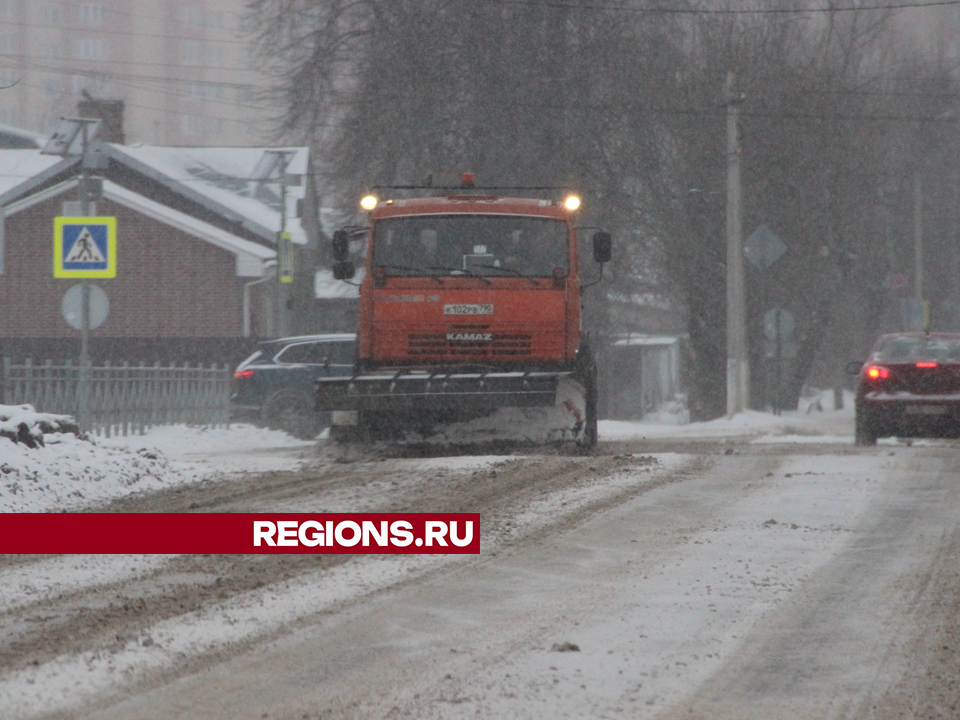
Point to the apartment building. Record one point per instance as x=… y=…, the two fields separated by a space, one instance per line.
x=182 y=68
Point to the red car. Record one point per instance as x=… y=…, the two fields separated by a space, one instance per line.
x=909 y=387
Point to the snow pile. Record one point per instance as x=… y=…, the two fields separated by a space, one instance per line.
x=814 y=422
x=241 y=448
x=72 y=472
x=23 y=424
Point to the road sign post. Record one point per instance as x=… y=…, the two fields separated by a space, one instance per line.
x=285 y=246
x=778 y=326
x=763 y=248
x=82 y=250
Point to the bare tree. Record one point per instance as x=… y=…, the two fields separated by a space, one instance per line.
x=626 y=103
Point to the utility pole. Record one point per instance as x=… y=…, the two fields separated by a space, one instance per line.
x=83 y=186
x=83 y=385
x=738 y=370
x=917 y=236
x=284 y=253
x=63 y=143
x=278 y=161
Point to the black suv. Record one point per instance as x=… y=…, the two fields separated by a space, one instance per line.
x=274 y=387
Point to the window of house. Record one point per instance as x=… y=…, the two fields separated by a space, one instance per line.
x=91 y=14
x=90 y=49
x=193 y=15
x=8 y=43
x=191 y=53
x=51 y=86
x=191 y=125
x=51 y=15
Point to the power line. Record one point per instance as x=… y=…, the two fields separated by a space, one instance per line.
x=179 y=66
x=167 y=19
x=613 y=107
x=165 y=110
x=721 y=11
x=100 y=31
x=132 y=81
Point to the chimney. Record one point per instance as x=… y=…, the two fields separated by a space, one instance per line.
x=109 y=111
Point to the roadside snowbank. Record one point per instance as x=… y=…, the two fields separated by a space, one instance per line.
x=23 y=424
x=814 y=423
x=72 y=472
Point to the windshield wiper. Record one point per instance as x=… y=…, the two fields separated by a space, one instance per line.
x=460 y=271
x=515 y=273
x=407 y=268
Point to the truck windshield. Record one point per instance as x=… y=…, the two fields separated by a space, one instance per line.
x=487 y=245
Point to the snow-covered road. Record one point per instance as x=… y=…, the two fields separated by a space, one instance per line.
x=762 y=567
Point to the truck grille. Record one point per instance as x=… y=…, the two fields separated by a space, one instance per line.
x=469 y=344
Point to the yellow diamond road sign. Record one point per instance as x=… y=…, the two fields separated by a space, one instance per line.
x=85 y=247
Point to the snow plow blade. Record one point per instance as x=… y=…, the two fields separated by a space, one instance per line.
x=439 y=391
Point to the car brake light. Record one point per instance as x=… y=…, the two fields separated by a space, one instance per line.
x=875 y=372
x=926 y=364
x=243 y=374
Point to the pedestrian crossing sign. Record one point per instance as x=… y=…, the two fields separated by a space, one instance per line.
x=85 y=247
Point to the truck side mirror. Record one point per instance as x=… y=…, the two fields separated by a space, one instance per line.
x=602 y=247
x=343 y=270
x=341 y=246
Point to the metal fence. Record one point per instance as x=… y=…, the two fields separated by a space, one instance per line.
x=122 y=399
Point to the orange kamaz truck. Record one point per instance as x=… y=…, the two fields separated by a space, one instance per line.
x=470 y=302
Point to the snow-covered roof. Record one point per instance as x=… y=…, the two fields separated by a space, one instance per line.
x=18 y=166
x=14 y=137
x=225 y=177
x=250 y=256
x=326 y=288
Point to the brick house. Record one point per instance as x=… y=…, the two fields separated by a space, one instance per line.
x=196 y=253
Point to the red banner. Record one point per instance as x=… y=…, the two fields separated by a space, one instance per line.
x=240 y=533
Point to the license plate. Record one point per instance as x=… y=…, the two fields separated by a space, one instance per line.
x=926 y=410
x=468 y=309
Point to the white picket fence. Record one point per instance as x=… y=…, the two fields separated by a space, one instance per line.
x=123 y=399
